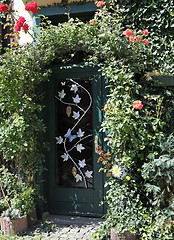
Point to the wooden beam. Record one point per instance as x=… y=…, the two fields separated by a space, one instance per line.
x=44 y=3
x=165 y=81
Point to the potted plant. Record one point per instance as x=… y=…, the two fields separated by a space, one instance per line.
x=17 y=201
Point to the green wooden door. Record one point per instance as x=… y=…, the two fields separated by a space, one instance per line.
x=74 y=120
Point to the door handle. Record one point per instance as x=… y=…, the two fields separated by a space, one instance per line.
x=96 y=143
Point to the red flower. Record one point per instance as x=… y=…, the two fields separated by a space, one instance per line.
x=17 y=28
x=91 y=22
x=32 y=7
x=138 y=38
x=3 y=8
x=145 y=32
x=25 y=27
x=128 y=32
x=20 y=21
x=138 y=104
x=100 y=3
x=132 y=39
x=146 y=42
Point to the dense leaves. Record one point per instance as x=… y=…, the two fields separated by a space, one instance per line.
x=132 y=49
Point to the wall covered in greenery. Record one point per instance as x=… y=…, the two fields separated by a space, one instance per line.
x=134 y=42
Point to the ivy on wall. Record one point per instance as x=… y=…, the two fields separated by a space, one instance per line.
x=135 y=115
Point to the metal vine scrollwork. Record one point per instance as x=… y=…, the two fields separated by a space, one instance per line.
x=75 y=135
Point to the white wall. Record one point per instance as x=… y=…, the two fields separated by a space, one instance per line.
x=19 y=6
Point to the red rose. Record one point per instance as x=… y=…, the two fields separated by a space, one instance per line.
x=138 y=104
x=32 y=7
x=138 y=38
x=128 y=32
x=100 y=3
x=145 y=32
x=91 y=22
x=20 y=21
x=3 y=8
x=17 y=28
x=25 y=27
x=146 y=42
x=132 y=39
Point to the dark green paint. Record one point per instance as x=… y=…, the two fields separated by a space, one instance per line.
x=165 y=81
x=76 y=201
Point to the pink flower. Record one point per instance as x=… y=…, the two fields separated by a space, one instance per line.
x=91 y=22
x=146 y=42
x=145 y=32
x=122 y=9
x=100 y=3
x=138 y=104
x=128 y=32
x=32 y=7
x=25 y=27
x=138 y=38
x=132 y=39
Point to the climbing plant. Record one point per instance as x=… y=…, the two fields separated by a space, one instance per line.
x=137 y=115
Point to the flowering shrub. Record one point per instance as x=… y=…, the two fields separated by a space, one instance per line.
x=20 y=23
x=136 y=129
x=21 y=157
x=132 y=36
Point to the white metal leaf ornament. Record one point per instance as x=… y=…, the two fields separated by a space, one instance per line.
x=59 y=140
x=76 y=115
x=76 y=99
x=79 y=147
x=82 y=163
x=61 y=94
x=74 y=88
x=80 y=133
x=88 y=174
x=65 y=157
x=78 y=178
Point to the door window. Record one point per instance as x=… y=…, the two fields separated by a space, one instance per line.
x=74 y=133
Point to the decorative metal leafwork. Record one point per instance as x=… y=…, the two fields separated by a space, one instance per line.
x=74 y=139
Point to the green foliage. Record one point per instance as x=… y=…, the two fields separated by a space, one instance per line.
x=17 y=197
x=136 y=137
x=20 y=124
x=158 y=174
x=157 y=16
